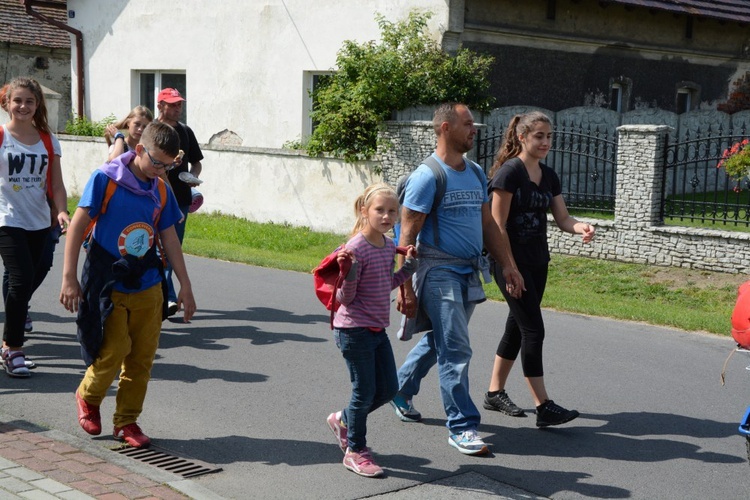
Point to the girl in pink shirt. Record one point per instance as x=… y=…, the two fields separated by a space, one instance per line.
x=360 y=322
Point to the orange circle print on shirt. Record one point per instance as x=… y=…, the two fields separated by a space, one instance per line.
x=136 y=239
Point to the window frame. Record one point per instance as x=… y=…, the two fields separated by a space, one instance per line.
x=147 y=97
x=310 y=78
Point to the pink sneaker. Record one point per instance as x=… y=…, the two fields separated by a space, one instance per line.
x=361 y=463
x=132 y=435
x=338 y=429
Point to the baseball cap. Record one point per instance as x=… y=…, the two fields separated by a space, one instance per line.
x=169 y=96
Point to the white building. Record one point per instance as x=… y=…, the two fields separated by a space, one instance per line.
x=243 y=65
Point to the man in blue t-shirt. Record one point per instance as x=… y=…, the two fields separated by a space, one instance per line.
x=447 y=286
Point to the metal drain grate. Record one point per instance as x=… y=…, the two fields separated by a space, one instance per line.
x=186 y=468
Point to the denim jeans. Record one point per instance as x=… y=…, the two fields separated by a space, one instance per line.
x=372 y=370
x=180 y=229
x=444 y=299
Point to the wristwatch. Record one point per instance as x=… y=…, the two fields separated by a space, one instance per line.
x=118 y=135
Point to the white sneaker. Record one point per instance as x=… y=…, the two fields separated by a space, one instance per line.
x=468 y=442
x=171 y=308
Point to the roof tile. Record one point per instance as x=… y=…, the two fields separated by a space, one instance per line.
x=727 y=10
x=18 y=27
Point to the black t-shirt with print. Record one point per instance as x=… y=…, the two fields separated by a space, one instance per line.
x=193 y=154
x=527 y=220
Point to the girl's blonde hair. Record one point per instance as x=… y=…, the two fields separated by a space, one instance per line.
x=40 y=116
x=365 y=200
x=141 y=111
x=511 y=145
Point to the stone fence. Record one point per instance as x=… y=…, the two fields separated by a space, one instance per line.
x=637 y=234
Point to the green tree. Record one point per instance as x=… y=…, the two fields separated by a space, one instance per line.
x=406 y=68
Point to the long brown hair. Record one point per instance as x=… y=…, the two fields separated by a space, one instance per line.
x=511 y=145
x=139 y=110
x=40 y=116
x=365 y=199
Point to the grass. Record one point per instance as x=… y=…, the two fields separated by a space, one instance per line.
x=661 y=296
x=685 y=299
x=671 y=297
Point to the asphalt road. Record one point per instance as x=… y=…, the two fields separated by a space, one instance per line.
x=248 y=384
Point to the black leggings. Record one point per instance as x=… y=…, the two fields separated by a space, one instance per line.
x=524 y=328
x=21 y=251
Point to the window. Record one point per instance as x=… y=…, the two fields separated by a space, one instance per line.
x=615 y=97
x=311 y=81
x=688 y=97
x=150 y=83
x=620 y=89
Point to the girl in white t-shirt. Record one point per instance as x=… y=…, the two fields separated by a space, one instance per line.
x=24 y=211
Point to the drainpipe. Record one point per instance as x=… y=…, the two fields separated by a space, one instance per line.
x=28 y=4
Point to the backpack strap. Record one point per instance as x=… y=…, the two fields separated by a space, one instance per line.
x=89 y=232
x=47 y=140
x=162 y=186
x=441 y=182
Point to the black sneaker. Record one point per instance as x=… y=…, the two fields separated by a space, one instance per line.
x=548 y=413
x=502 y=403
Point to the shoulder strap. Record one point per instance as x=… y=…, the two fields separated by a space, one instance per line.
x=47 y=140
x=163 y=197
x=111 y=187
x=440 y=186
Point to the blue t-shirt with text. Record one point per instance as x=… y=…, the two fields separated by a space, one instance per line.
x=459 y=214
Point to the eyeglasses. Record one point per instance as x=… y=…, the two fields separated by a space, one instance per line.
x=160 y=164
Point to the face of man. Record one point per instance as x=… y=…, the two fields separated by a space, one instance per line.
x=461 y=131
x=170 y=113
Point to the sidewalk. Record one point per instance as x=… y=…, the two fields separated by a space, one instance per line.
x=36 y=463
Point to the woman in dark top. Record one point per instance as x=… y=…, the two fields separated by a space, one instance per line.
x=523 y=189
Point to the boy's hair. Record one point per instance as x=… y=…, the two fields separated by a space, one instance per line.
x=161 y=136
x=40 y=116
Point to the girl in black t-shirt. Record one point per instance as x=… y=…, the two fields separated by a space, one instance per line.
x=523 y=189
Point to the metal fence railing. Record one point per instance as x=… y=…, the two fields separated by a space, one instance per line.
x=694 y=189
x=585 y=158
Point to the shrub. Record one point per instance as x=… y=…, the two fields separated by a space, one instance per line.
x=406 y=68
x=80 y=125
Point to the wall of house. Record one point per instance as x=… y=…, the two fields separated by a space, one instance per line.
x=260 y=185
x=590 y=42
x=21 y=60
x=244 y=60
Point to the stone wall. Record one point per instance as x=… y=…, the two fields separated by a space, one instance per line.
x=637 y=234
x=402 y=146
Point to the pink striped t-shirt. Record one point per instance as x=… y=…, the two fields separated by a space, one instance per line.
x=366 y=300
